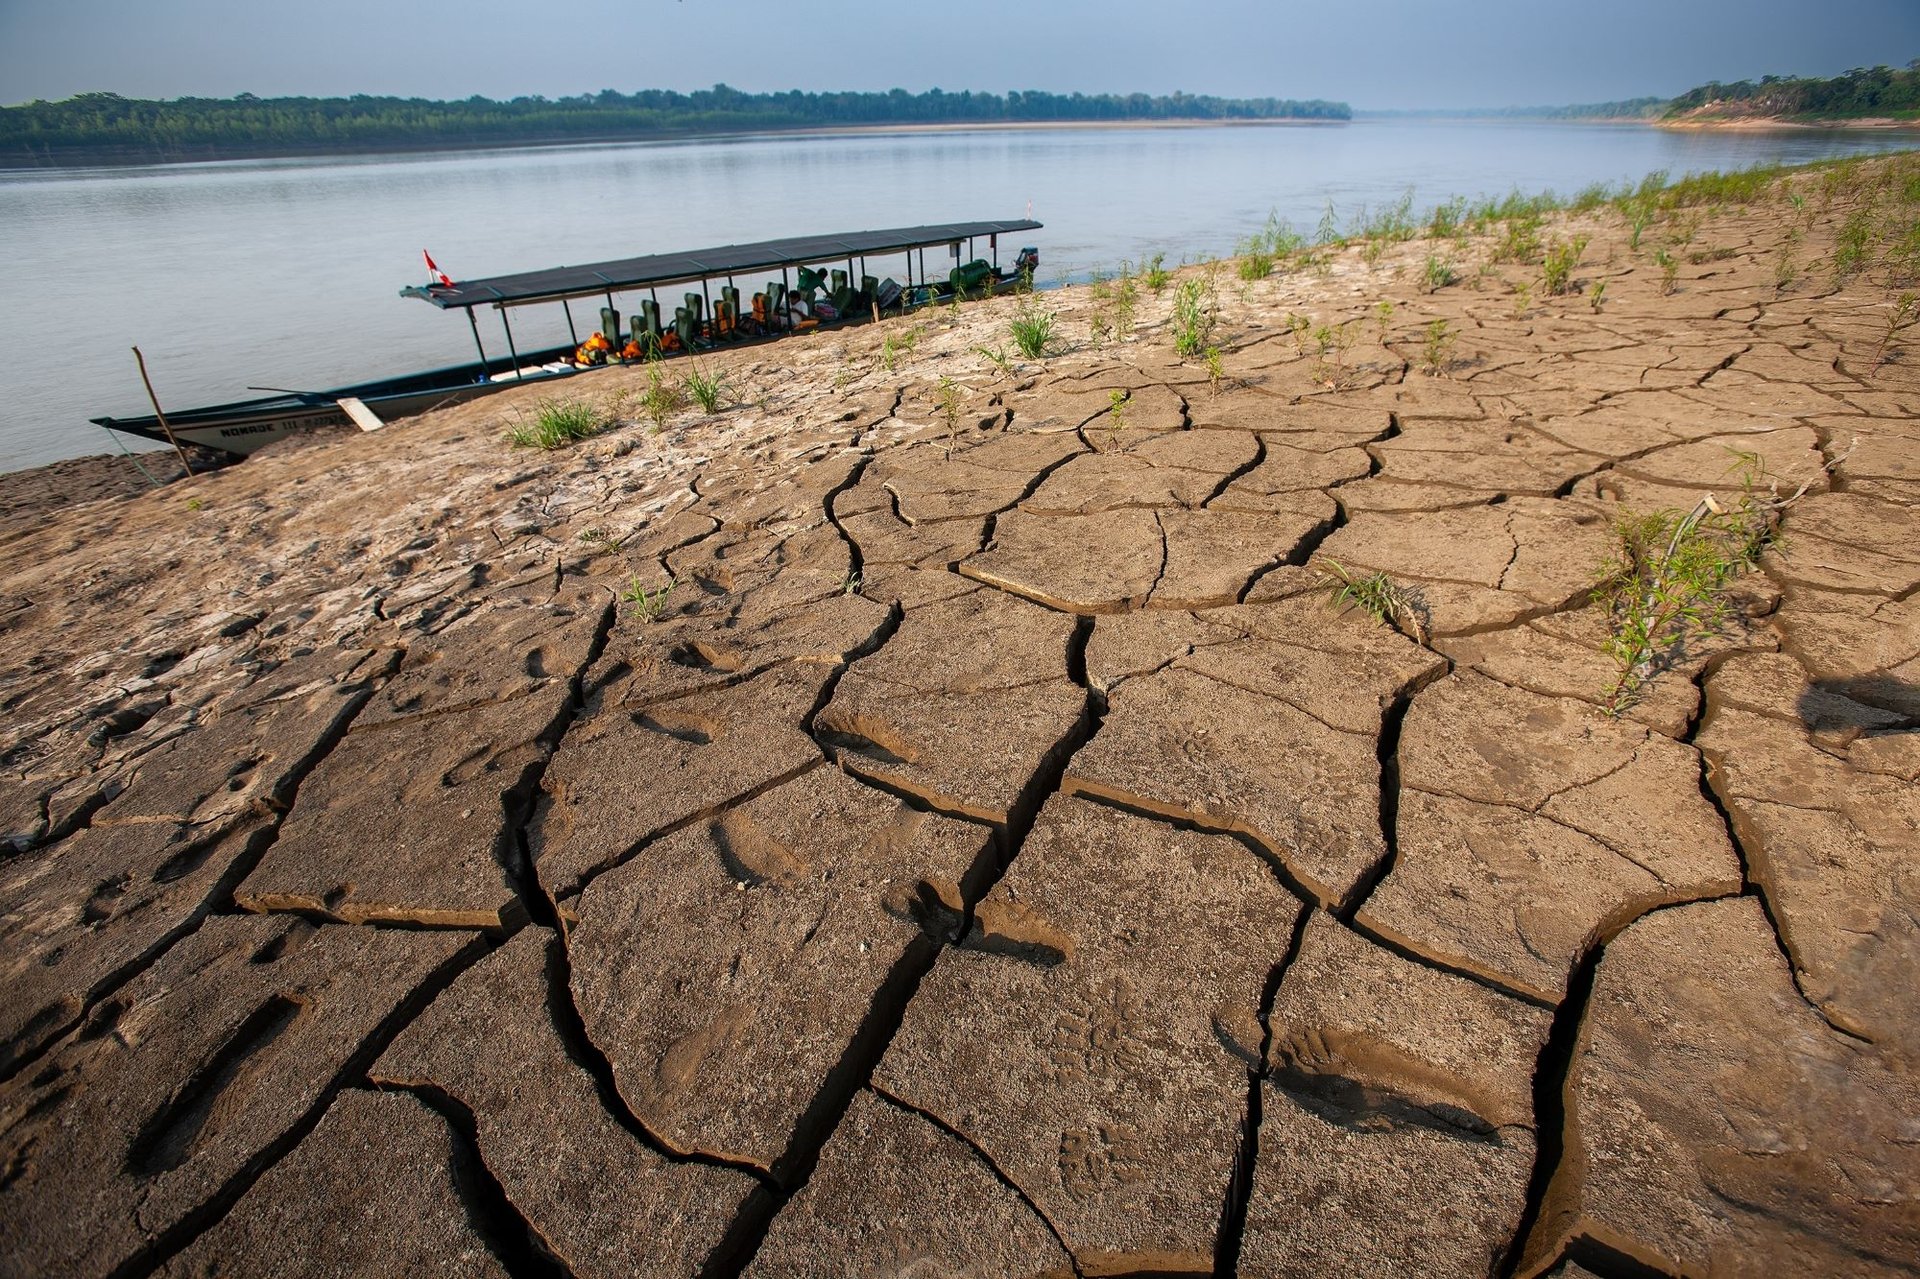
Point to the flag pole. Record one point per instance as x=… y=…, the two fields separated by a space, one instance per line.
x=162 y=417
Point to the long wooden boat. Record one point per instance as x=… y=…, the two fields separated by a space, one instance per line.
x=245 y=426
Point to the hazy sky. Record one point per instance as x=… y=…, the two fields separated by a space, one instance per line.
x=1378 y=54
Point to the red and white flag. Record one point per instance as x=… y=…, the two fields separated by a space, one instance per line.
x=435 y=271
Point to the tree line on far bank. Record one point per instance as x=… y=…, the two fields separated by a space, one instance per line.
x=1863 y=91
x=95 y=125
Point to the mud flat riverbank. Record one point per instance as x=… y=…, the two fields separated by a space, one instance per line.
x=930 y=816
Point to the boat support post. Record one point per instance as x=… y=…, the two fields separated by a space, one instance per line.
x=570 y=330
x=511 y=349
x=475 y=326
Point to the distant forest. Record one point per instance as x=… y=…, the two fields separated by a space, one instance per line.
x=1629 y=109
x=1864 y=91
x=105 y=126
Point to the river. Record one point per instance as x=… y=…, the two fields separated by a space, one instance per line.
x=285 y=273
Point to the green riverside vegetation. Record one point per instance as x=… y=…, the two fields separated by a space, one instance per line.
x=1863 y=91
x=94 y=126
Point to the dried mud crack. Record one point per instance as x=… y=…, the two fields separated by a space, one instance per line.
x=835 y=835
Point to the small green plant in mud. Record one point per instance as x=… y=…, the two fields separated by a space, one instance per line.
x=1851 y=246
x=1378 y=595
x=1596 y=295
x=1522 y=299
x=1556 y=272
x=1195 y=314
x=1033 y=328
x=1519 y=240
x=1786 y=265
x=895 y=345
x=1666 y=582
x=1669 y=270
x=1382 y=320
x=556 y=424
x=601 y=539
x=946 y=401
x=850 y=584
x=705 y=388
x=195 y=504
x=1215 y=369
x=662 y=399
x=1901 y=315
x=1665 y=585
x=648 y=606
x=997 y=356
x=1436 y=351
x=1116 y=410
x=1437 y=274
x=1447 y=220
x=1114 y=302
x=1155 y=276
x=1331 y=342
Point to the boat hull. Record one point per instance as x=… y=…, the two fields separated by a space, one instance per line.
x=247 y=426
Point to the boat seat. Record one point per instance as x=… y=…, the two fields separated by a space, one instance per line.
x=649 y=318
x=610 y=325
x=685 y=328
x=648 y=340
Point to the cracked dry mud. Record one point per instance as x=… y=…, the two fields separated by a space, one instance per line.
x=995 y=855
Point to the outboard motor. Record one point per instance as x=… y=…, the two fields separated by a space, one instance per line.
x=1028 y=263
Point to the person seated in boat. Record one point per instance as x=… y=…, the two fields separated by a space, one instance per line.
x=631 y=352
x=593 y=351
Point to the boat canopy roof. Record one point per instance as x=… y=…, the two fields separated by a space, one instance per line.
x=700 y=264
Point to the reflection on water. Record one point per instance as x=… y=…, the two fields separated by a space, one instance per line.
x=285 y=273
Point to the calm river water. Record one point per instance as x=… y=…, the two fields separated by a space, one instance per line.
x=284 y=273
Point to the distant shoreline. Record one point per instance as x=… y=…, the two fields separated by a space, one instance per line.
x=1761 y=123
x=132 y=157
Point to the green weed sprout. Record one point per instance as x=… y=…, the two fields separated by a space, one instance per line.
x=648 y=606
x=1033 y=328
x=556 y=424
x=1194 y=316
x=705 y=388
x=1378 y=595
x=1436 y=352
x=1557 y=271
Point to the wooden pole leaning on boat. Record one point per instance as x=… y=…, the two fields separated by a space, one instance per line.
x=161 y=417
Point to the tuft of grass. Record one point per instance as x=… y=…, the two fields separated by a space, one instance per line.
x=1557 y=269
x=1382 y=598
x=1215 y=369
x=997 y=356
x=648 y=606
x=705 y=388
x=1522 y=299
x=556 y=424
x=1437 y=274
x=1382 y=319
x=1155 y=276
x=1117 y=410
x=1597 y=295
x=662 y=399
x=1195 y=315
x=895 y=345
x=1436 y=352
x=1033 y=328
